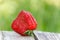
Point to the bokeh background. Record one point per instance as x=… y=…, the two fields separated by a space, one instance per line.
x=46 y=12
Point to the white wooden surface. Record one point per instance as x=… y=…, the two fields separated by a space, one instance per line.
x=8 y=35
x=11 y=35
x=0 y=35
x=47 y=35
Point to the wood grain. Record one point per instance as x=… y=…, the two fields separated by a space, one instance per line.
x=11 y=35
x=47 y=35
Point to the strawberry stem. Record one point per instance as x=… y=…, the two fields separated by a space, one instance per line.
x=29 y=32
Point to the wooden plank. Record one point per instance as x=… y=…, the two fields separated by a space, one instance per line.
x=8 y=35
x=11 y=35
x=47 y=35
x=1 y=37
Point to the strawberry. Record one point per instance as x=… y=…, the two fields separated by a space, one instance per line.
x=24 y=23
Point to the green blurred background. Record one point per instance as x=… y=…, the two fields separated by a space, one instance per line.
x=46 y=12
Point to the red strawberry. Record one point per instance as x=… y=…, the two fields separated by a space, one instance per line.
x=24 y=22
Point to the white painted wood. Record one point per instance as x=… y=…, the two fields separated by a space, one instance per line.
x=47 y=35
x=11 y=35
x=14 y=36
x=1 y=36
